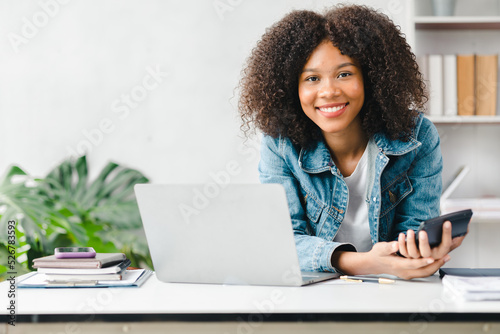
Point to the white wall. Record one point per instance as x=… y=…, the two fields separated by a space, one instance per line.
x=76 y=76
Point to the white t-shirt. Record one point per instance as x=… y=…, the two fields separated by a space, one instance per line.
x=355 y=228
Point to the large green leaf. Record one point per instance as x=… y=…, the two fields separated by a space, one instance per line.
x=108 y=201
x=67 y=209
x=36 y=220
x=23 y=202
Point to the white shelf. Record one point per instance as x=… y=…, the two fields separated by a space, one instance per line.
x=486 y=210
x=457 y=22
x=465 y=119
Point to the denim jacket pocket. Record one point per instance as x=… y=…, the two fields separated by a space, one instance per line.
x=313 y=209
x=393 y=194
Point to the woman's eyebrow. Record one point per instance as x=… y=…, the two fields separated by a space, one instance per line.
x=336 y=68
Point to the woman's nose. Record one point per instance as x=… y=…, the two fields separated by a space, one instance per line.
x=329 y=89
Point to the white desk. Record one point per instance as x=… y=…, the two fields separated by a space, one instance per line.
x=403 y=307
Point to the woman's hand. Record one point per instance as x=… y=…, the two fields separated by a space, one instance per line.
x=383 y=259
x=408 y=247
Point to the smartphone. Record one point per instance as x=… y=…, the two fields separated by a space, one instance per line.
x=74 y=252
x=434 y=227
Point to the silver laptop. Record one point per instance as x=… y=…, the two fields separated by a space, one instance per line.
x=223 y=234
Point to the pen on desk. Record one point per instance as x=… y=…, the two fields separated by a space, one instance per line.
x=360 y=279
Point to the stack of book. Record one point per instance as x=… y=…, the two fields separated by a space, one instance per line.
x=103 y=267
x=473 y=288
x=463 y=85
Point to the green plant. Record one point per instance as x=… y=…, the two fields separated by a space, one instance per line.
x=67 y=209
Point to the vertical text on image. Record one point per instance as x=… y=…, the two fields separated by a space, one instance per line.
x=11 y=265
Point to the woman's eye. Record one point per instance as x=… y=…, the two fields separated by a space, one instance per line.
x=344 y=74
x=312 y=79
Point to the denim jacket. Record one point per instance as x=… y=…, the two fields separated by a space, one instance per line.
x=403 y=189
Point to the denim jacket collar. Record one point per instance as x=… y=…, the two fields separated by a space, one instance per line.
x=395 y=147
x=317 y=159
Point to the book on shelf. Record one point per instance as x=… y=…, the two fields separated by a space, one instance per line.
x=101 y=260
x=440 y=75
x=423 y=65
x=466 y=85
x=435 y=85
x=486 y=84
x=463 y=85
x=450 y=85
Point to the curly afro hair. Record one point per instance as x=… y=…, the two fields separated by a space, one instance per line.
x=394 y=87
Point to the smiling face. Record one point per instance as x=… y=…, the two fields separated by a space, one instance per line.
x=331 y=90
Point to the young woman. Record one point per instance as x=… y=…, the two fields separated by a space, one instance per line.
x=336 y=96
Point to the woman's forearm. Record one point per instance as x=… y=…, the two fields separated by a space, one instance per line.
x=382 y=259
x=352 y=263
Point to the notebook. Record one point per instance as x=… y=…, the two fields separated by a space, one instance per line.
x=470 y=272
x=222 y=234
x=101 y=260
x=108 y=269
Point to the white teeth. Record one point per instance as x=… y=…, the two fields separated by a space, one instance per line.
x=333 y=109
